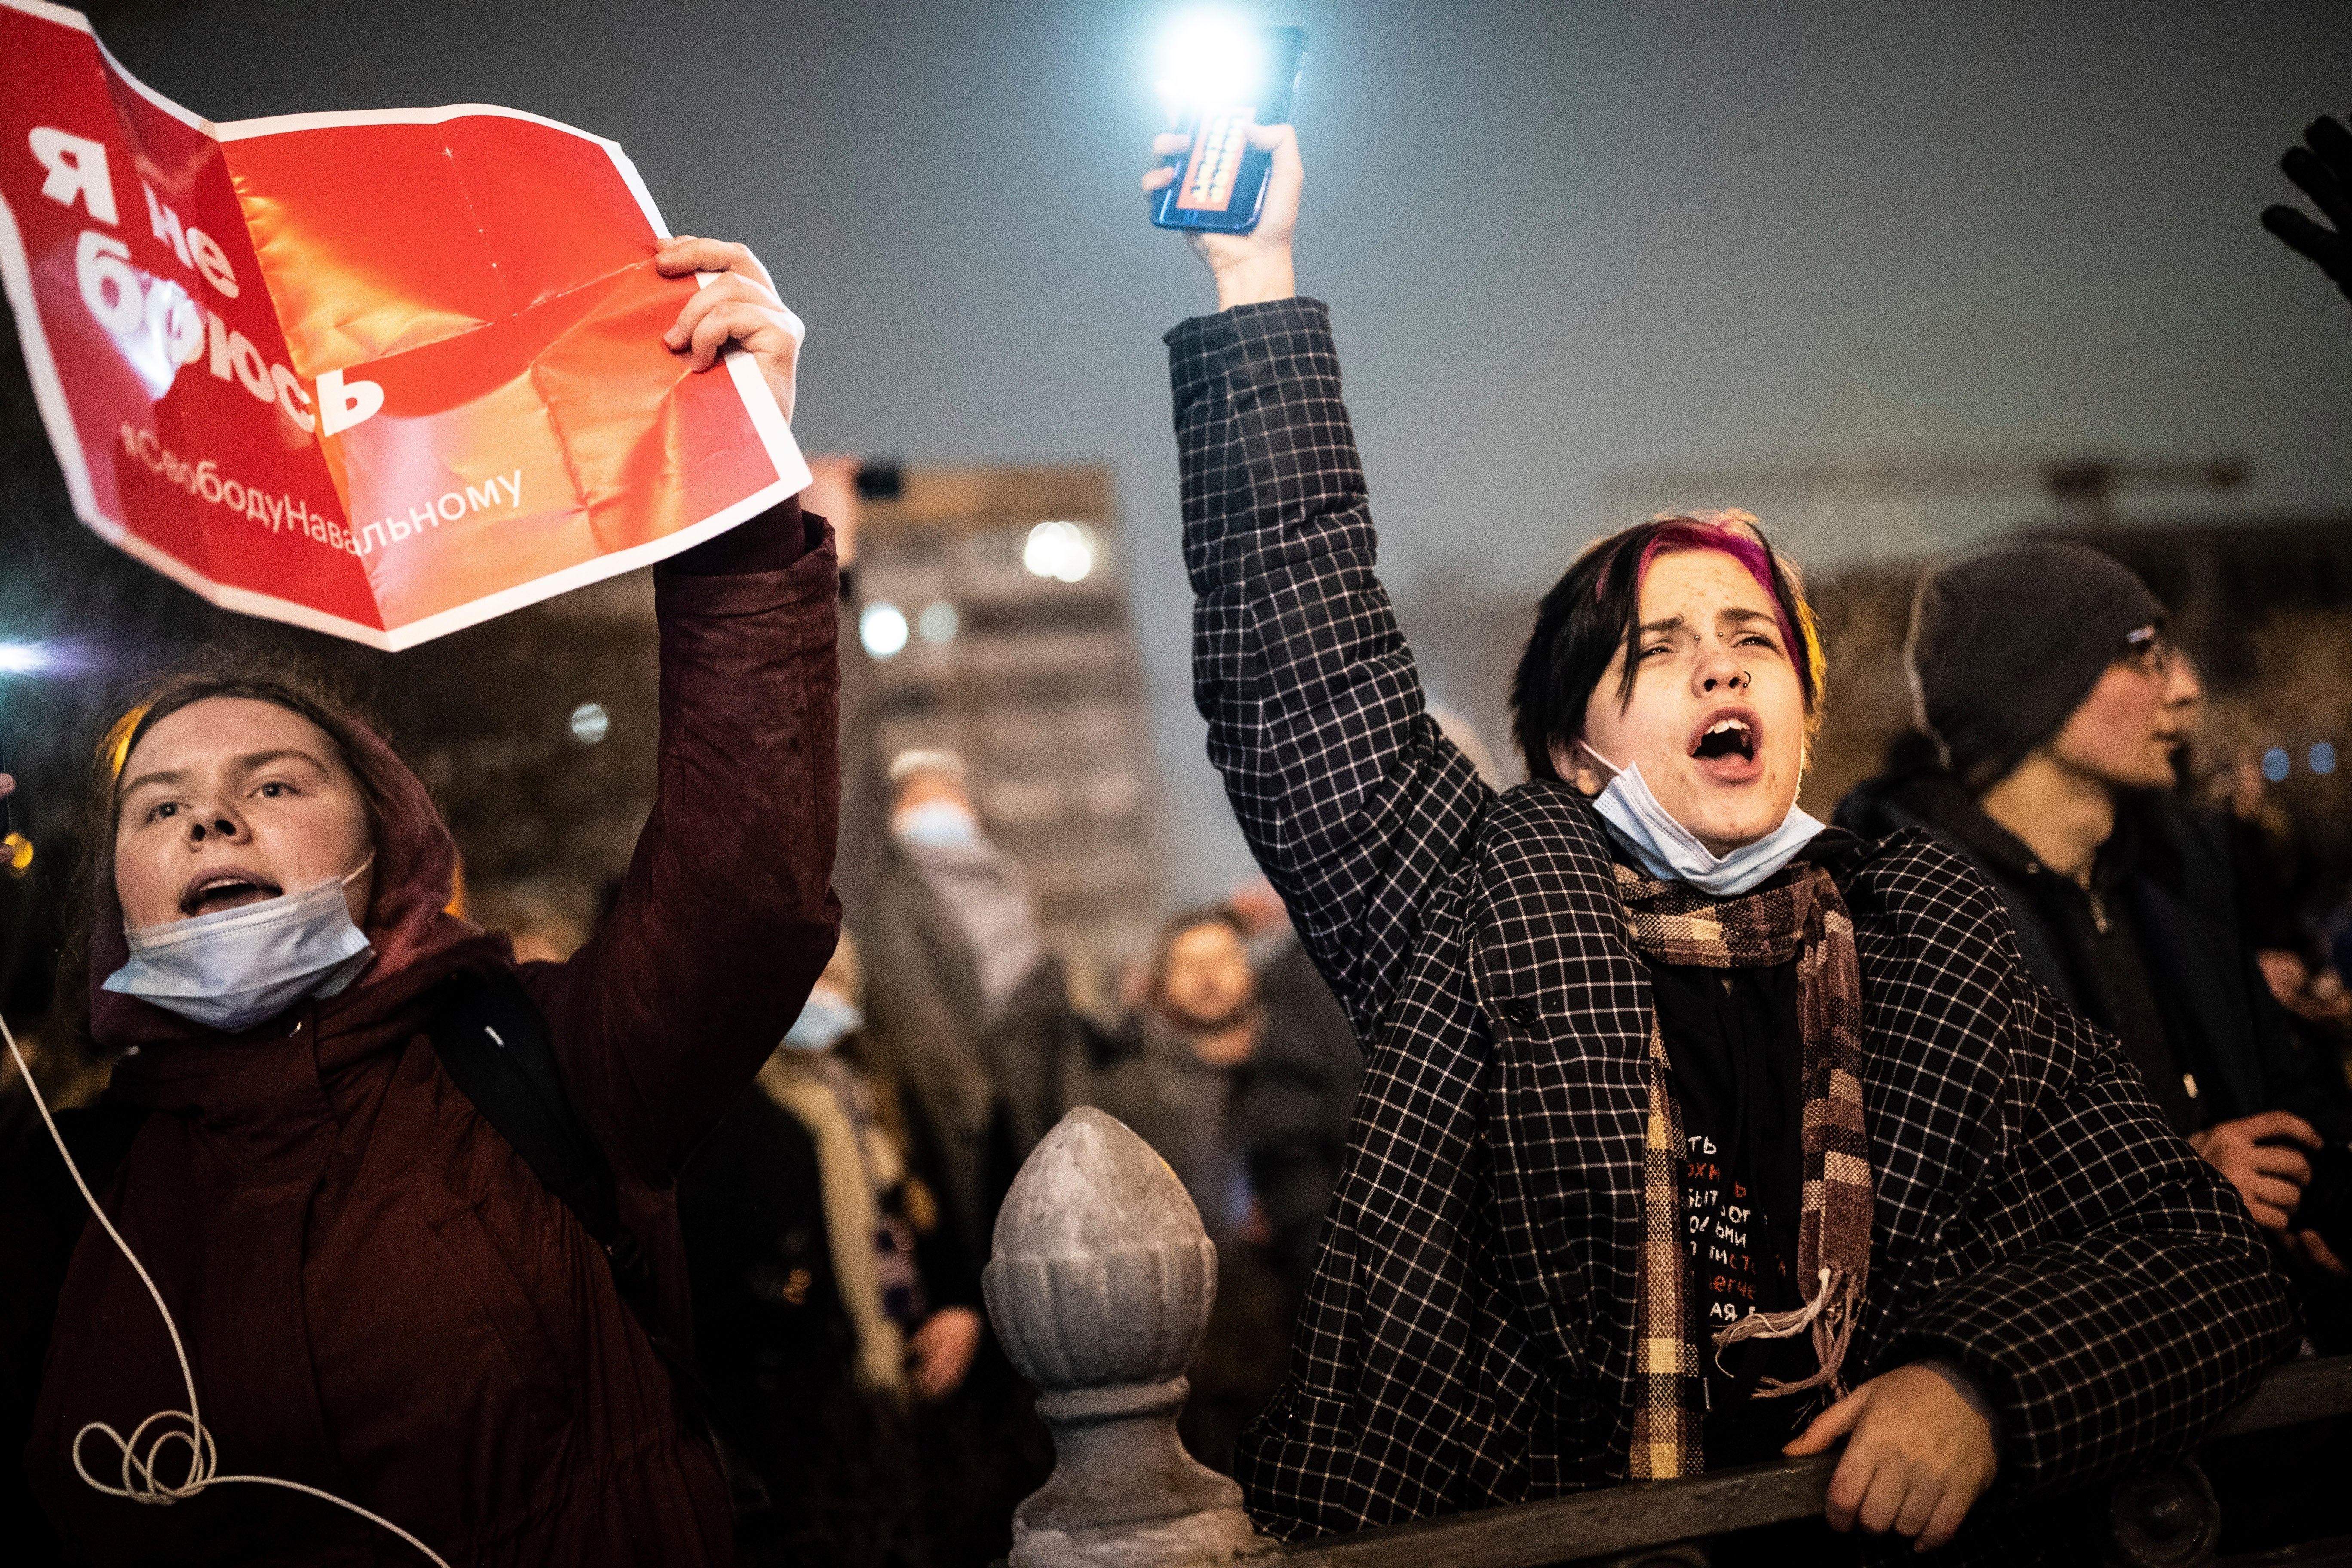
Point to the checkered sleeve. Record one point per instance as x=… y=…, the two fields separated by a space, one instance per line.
x=1354 y=804
x=2138 y=1302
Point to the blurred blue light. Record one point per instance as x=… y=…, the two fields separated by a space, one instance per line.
x=591 y=723
x=23 y=658
x=2323 y=759
x=2276 y=764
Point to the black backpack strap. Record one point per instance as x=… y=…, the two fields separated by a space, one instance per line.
x=496 y=1048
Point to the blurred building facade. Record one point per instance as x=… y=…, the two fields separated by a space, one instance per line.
x=995 y=603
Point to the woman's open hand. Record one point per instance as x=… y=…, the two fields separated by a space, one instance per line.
x=1919 y=1454
x=1252 y=268
x=741 y=306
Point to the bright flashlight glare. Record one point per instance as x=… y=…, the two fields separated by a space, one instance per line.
x=23 y=658
x=1210 y=58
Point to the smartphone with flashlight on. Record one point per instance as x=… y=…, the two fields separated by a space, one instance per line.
x=1226 y=83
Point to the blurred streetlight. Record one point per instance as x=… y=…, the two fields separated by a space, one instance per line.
x=1063 y=551
x=938 y=623
x=15 y=849
x=882 y=627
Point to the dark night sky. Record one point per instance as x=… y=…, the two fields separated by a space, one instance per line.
x=1560 y=240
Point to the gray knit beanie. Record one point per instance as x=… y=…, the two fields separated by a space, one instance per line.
x=2007 y=642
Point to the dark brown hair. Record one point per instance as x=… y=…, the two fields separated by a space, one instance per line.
x=1595 y=609
x=1184 y=921
x=233 y=668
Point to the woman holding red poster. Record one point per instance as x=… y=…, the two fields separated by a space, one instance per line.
x=406 y=1204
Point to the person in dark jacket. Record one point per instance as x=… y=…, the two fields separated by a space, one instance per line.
x=1307 y=1070
x=1186 y=1067
x=808 y=1210
x=1598 y=1006
x=2050 y=706
x=967 y=1009
x=378 y=1298
x=1188 y=1076
x=824 y=1299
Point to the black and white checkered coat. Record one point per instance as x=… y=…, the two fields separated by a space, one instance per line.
x=1467 y=1338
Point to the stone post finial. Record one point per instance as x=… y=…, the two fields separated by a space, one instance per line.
x=1099 y=1287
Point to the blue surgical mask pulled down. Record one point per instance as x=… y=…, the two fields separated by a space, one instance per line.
x=230 y=971
x=937 y=825
x=824 y=1022
x=1672 y=852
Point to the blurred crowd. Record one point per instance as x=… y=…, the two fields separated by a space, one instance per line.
x=838 y=1219
x=839 y=1222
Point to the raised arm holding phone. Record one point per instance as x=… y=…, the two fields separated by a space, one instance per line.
x=1597 y=1006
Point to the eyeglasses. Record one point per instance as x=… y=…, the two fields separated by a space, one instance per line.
x=2149 y=651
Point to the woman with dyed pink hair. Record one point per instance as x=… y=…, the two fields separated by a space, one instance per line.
x=1691 y=1132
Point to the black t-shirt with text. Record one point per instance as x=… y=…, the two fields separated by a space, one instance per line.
x=1736 y=1064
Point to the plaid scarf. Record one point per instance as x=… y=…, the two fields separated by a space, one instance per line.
x=1805 y=918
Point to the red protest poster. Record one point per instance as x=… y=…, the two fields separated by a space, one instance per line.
x=383 y=374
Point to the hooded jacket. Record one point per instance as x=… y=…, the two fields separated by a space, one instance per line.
x=378 y=1297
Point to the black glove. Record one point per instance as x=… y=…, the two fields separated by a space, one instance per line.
x=2323 y=170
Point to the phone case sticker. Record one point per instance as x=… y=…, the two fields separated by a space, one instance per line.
x=1216 y=161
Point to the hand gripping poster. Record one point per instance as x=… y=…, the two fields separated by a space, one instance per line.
x=383 y=374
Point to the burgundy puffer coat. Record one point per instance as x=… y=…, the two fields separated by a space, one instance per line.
x=378 y=1297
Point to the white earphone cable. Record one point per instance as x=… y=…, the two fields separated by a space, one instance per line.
x=140 y=1484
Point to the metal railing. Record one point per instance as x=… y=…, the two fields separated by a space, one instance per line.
x=1100 y=1289
x=2160 y=1517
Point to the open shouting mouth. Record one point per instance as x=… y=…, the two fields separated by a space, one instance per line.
x=1728 y=743
x=225 y=888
